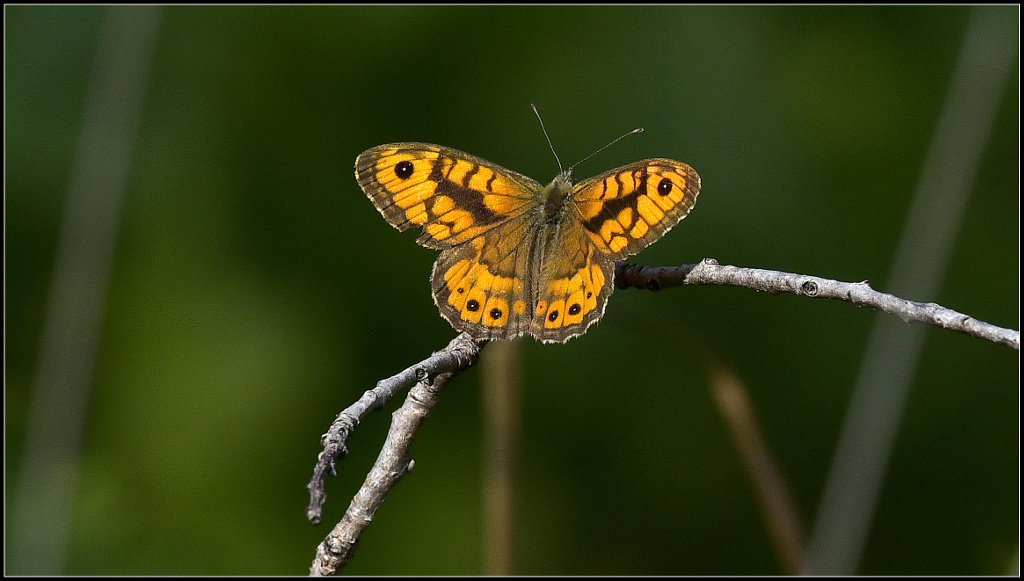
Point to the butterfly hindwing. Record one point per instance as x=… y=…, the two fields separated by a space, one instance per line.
x=480 y=287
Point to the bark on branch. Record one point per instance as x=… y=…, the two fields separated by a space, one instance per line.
x=708 y=271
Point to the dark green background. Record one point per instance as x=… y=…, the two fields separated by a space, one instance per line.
x=256 y=291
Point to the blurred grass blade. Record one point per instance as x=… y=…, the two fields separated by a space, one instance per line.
x=42 y=504
x=778 y=509
x=501 y=400
x=894 y=347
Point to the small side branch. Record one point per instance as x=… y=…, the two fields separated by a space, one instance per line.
x=460 y=353
x=708 y=271
x=392 y=464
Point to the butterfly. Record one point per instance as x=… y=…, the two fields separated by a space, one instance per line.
x=518 y=258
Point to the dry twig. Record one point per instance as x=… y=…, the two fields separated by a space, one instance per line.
x=708 y=271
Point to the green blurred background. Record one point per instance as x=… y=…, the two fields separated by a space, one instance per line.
x=255 y=291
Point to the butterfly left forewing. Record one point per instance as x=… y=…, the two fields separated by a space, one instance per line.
x=452 y=195
x=625 y=210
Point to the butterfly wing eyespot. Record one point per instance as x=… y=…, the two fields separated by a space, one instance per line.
x=665 y=187
x=627 y=209
x=404 y=169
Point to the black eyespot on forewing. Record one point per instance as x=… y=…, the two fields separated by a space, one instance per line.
x=403 y=169
x=665 y=186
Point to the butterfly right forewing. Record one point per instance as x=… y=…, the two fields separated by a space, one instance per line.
x=626 y=209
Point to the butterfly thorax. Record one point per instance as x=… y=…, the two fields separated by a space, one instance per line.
x=554 y=195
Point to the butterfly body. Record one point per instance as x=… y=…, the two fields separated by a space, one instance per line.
x=518 y=258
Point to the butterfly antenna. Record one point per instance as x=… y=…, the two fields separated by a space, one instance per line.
x=633 y=132
x=537 y=113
